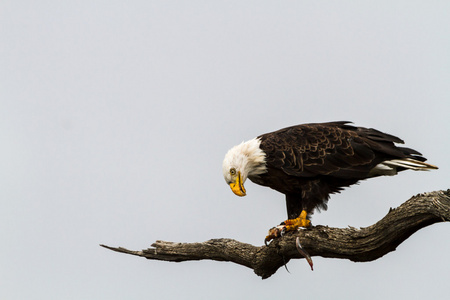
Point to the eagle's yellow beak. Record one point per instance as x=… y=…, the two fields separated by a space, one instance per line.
x=238 y=186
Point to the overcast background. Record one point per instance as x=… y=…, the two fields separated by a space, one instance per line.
x=115 y=117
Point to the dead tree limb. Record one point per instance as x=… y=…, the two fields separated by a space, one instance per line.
x=359 y=245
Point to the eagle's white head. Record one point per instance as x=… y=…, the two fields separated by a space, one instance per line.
x=242 y=161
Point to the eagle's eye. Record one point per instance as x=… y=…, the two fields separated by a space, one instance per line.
x=233 y=171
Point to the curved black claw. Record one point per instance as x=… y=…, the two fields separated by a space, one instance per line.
x=303 y=252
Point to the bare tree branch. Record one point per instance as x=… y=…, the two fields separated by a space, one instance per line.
x=359 y=245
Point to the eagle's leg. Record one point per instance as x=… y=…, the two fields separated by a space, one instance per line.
x=297 y=211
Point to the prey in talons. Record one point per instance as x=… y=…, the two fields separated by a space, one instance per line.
x=275 y=232
x=288 y=225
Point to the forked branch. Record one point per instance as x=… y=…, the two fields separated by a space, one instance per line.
x=359 y=245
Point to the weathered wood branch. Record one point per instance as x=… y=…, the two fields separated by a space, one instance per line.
x=359 y=245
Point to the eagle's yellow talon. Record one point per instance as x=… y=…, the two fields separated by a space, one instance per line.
x=301 y=221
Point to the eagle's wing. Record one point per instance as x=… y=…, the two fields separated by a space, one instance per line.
x=333 y=149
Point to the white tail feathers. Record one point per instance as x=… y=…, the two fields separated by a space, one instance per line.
x=389 y=167
x=409 y=163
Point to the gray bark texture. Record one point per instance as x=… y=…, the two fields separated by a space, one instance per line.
x=359 y=245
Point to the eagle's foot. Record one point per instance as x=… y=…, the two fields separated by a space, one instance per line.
x=301 y=221
x=288 y=225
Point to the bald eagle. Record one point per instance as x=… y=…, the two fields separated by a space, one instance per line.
x=309 y=162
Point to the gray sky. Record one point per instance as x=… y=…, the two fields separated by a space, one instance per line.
x=115 y=117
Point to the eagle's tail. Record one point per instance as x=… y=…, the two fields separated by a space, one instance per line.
x=409 y=163
x=392 y=167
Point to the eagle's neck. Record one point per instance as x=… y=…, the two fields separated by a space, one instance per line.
x=256 y=158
